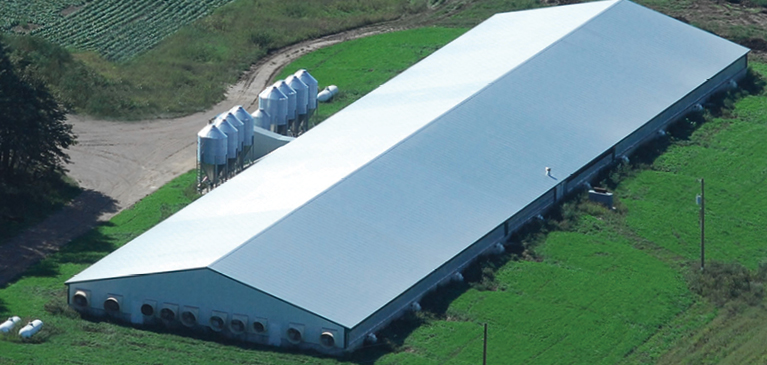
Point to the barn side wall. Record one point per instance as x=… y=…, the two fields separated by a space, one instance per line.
x=205 y=292
x=647 y=132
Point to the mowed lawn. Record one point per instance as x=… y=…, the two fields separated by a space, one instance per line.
x=361 y=65
x=731 y=155
x=591 y=300
x=601 y=291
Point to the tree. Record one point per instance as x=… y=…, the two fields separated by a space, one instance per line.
x=33 y=135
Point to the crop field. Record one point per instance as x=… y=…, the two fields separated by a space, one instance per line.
x=32 y=14
x=115 y=29
x=120 y=29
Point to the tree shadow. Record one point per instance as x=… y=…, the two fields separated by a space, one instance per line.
x=68 y=231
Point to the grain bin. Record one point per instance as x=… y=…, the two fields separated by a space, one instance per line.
x=275 y=103
x=211 y=155
x=232 y=143
x=262 y=119
x=292 y=100
x=311 y=82
x=240 y=113
x=302 y=102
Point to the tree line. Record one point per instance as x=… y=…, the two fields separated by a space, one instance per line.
x=33 y=132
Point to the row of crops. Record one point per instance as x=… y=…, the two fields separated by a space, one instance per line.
x=33 y=12
x=117 y=29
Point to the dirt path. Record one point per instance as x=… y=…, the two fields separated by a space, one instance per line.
x=120 y=163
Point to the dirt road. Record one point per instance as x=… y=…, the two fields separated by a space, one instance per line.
x=119 y=163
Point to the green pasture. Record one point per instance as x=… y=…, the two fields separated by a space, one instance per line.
x=361 y=65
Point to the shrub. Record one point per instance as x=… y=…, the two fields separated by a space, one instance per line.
x=724 y=283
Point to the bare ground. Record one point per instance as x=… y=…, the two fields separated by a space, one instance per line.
x=120 y=163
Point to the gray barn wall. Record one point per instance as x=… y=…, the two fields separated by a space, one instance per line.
x=209 y=291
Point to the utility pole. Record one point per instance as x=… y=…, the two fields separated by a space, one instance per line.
x=702 y=226
x=484 y=350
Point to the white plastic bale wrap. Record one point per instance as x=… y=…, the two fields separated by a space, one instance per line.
x=275 y=103
x=211 y=146
x=302 y=93
x=313 y=85
x=292 y=98
x=247 y=119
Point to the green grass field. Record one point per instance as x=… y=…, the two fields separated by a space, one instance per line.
x=350 y=65
x=610 y=288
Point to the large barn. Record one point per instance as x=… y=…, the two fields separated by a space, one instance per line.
x=329 y=238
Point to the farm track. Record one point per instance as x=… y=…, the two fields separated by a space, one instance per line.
x=119 y=163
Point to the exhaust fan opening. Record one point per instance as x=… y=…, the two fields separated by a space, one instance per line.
x=167 y=314
x=80 y=299
x=188 y=318
x=294 y=335
x=112 y=305
x=216 y=323
x=237 y=326
x=327 y=339
x=147 y=310
x=259 y=327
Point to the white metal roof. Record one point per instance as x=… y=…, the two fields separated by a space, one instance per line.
x=353 y=213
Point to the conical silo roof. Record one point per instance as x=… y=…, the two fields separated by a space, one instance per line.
x=246 y=119
x=262 y=119
x=313 y=85
x=232 y=140
x=302 y=93
x=240 y=128
x=292 y=98
x=275 y=103
x=211 y=145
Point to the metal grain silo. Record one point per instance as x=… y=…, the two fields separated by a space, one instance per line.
x=211 y=156
x=240 y=113
x=211 y=146
x=275 y=103
x=302 y=101
x=237 y=124
x=311 y=82
x=292 y=99
x=232 y=142
x=262 y=119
